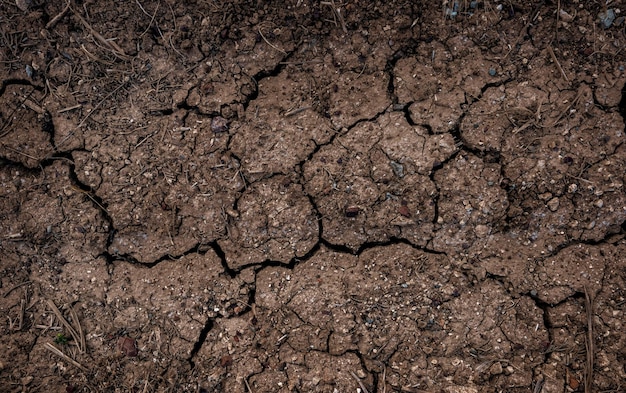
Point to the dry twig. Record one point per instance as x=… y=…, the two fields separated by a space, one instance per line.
x=336 y=13
x=556 y=61
x=363 y=388
x=269 y=43
x=63 y=356
x=57 y=18
x=247 y=385
x=115 y=48
x=77 y=334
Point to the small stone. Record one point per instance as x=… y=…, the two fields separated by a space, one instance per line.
x=492 y=72
x=23 y=5
x=481 y=230
x=495 y=369
x=545 y=196
x=572 y=188
x=599 y=203
x=607 y=18
x=219 y=125
x=352 y=211
x=397 y=168
x=553 y=204
x=565 y=16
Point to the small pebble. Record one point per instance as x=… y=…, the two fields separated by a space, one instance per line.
x=219 y=125
x=496 y=369
x=352 y=211
x=398 y=169
x=565 y=16
x=492 y=72
x=553 y=204
x=607 y=18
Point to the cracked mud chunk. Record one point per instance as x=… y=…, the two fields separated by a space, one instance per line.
x=276 y=222
x=281 y=129
x=471 y=202
x=380 y=168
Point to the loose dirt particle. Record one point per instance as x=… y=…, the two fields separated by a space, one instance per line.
x=127 y=346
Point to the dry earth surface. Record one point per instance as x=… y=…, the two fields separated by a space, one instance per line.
x=312 y=196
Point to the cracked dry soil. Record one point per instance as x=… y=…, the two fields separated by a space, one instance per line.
x=241 y=196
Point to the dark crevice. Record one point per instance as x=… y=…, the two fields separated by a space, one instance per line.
x=132 y=260
x=8 y=163
x=343 y=131
x=222 y=256
x=22 y=82
x=47 y=127
x=259 y=76
x=289 y=265
x=609 y=238
x=160 y=112
x=201 y=338
x=543 y=306
x=437 y=166
x=407 y=114
x=185 y=106
x=358 y=354
x=622 y=105
x=340 y=248
x=95 y=199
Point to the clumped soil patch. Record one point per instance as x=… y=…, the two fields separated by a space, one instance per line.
x=308 y=196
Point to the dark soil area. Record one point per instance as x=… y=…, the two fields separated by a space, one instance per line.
x=312 y=196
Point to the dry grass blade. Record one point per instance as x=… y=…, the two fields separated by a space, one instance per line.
x=119 y=52
x=589 y=343
x=57 y=18
x=77 y=334
x=558 y=65
x=270 y=44
x=363 y=388
x=63 y=356
x=538 y=388
x=79 y=330
x=15 y=287
x=336 y=14
x=247 y=385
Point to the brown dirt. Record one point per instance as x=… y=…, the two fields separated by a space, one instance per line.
x=247 y=196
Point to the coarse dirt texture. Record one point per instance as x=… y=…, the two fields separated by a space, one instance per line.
x=305 y=196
